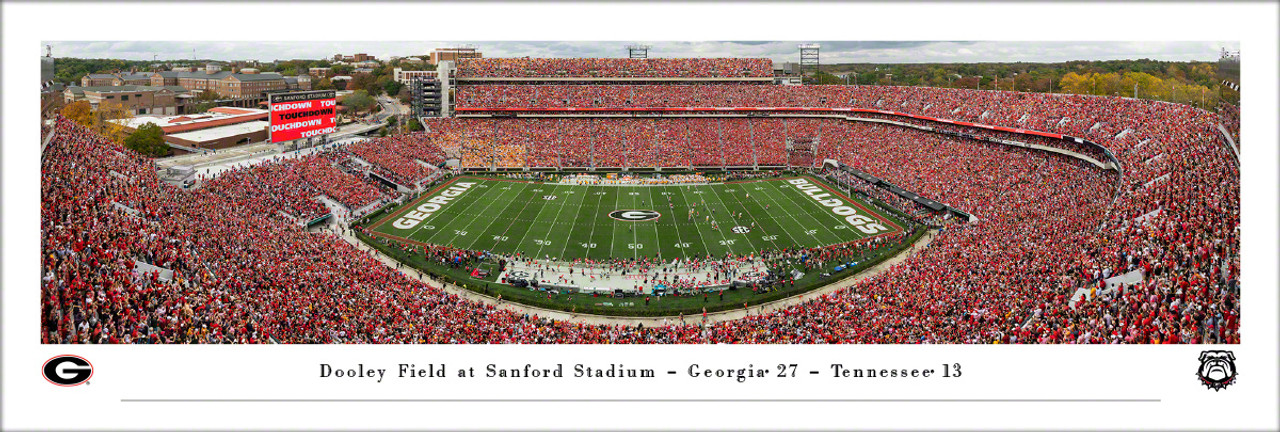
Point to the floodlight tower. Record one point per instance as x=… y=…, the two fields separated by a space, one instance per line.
x=809 y=56
x=638 y=51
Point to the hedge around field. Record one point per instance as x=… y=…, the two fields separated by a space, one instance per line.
x=537 y=298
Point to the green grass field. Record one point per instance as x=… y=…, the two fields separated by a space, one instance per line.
x=569 y=222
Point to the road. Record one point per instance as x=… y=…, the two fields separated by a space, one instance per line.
x=390 y=107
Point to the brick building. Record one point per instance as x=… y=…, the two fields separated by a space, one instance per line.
x=453 y=54
x=403 y=76
x=300 y=82
x=354 y=58
x=240 y=86
x=97 y=80
x=136 y=99
x=225 y=84
x=139 y=79
x=199 y=81
x=165 y=78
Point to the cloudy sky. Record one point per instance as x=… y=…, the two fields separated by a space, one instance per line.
x=832 y=51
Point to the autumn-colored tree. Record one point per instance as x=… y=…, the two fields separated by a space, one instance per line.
x=115 y=130
x=79 y=112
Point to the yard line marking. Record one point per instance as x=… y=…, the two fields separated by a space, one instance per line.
x=786 y=209
x=495 y=217
x=675 y=224
x=447 y=213
x=762 y=210
x=657 y=236
x=483 y=215
x=635 y=236
x=520 y=244
x=538 y=218
x=613 y=239
x=595 y=223
x=794 y=217
x=705 y=246
x=577 y=215
x=768 y=193
x=753 y=219
x=735 y=220
x=405 y=209
x=793 y=196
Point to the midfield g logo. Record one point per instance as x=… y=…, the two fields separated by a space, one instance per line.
x=1217 y=369
x=67 y=370
x=634 y=215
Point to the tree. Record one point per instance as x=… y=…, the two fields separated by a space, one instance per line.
x=1076 y=83
x=200 y=107
x=68 y=70
x=204 y=101
x=114 y=130
x=207 y=95
x=147 y=140
x=358 y=101
x=79 y=112
x=390 y=86
x=412 y=125
x=323 y=84
x=404 y=95
x=365 y=82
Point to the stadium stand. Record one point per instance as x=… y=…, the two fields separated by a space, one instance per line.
x=615 y=67
x=1230 y=119
x=1047 y=226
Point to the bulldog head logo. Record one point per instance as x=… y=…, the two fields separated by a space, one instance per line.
x=1217 y=369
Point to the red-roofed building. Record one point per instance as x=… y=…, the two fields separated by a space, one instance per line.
x=220 y=127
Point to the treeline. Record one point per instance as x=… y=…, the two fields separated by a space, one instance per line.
x=70 y=70
x=1194 y=83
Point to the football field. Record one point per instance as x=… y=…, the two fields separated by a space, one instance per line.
x=568 y=222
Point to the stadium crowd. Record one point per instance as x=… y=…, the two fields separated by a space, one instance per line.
x=858 y=186
x=614 y=67
x=1230 y=119
x=1047 y=228
x=1075 y=115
